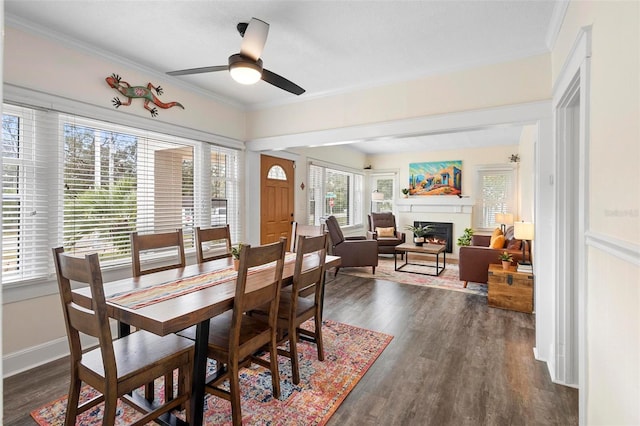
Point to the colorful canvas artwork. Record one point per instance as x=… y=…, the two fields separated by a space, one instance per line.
x=435 y=178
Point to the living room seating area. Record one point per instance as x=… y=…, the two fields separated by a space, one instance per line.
x=474 y=260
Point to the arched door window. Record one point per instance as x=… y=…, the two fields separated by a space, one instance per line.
x=276 y=172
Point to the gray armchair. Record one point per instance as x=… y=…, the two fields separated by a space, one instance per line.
x=353 y=251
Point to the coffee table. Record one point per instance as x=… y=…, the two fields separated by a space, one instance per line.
x=434 y=249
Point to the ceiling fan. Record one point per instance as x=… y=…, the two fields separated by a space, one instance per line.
x=246 y=67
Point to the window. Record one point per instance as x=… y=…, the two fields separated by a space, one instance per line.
x=87 y=184
x=386 y=184
x=335 y=192
x=497 y=193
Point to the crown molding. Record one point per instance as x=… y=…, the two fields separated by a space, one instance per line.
x=555 y=24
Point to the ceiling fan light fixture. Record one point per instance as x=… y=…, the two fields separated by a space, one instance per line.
x=245 y=70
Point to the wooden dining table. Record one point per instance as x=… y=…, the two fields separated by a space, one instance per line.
x=165 y=314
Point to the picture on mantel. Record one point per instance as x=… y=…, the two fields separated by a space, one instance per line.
x=435 y=178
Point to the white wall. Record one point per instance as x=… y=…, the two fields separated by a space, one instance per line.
x=44 y=65
x=477 y=88
x=612 y=385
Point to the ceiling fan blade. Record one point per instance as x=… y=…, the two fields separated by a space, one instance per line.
x=254 y=39
x=199 y=70
x=281 y=82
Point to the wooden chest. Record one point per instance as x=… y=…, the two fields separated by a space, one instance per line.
x=509 y=289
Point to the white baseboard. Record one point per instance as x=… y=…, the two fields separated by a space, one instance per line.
x=26 y=359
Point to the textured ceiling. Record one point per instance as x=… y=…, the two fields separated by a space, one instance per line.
x=327 y=47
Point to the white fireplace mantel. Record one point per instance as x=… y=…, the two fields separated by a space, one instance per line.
x=436 y=204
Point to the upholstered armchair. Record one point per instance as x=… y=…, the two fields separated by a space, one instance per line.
x=353 y=251
x=382 y=228
x=474 y=260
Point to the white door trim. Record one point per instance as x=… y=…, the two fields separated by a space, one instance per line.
x=572 y=86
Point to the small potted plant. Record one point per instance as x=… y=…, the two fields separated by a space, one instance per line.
x=235 y=253
x=419 y=233
x=405 y=192
x=465 y=238
x=506 y=259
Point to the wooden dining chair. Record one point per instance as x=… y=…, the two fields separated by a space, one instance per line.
x=213 y=237
x=234 y=337
x=296 y=307
x=158 y=242
x=298 y=229
x=116 y=367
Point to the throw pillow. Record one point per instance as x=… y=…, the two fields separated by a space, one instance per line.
x=496 y=232
x=385 y=232
x=497 y=242
x=514 y=245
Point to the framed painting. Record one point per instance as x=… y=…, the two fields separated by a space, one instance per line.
x=435 y=178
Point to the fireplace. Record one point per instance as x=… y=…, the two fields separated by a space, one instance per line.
x=441 y=233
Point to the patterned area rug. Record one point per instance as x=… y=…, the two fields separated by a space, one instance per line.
x=349 y=352
x=447 y=280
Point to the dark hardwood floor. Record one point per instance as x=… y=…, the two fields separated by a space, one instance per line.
x=452 y=361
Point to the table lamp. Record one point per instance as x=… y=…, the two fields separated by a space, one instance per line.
x=523 y=231
x=504 y=219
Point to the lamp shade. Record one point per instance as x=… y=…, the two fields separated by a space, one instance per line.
x=508 y=219
x=504 y=218
x=523 y=230
x=377 y=196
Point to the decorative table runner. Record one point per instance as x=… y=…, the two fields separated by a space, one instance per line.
x=139 y=298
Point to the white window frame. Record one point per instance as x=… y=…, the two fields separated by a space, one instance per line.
x=389 y=199
x=355 y=203
x=480 y=220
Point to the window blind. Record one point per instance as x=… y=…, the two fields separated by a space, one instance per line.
x=27 y=154
x=336 y=193
x=498 y=194
x=87 y=184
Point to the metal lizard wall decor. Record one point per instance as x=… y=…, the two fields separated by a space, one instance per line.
x=132 y=92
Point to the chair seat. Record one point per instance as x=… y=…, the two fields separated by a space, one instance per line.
x=219 y=328
x=149 y=350
x=389 y=241
x=304 y=305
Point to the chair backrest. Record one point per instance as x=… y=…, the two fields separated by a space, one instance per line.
x=335 y=233
x=156 y=242
x=382 y=220
x=212 y=240
x=307 y=279
x=263 y=289
x=93 y=322
x=298 y=229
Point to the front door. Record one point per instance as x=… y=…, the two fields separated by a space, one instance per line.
x=276 y=205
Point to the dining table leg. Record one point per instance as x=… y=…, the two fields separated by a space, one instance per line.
x=199 y=373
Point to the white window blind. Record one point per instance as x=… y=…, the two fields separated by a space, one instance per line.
x=334 y=192
x=497 y=193
x=226 y=169
x=117 y=180
x=87 y=184
x=28 y=152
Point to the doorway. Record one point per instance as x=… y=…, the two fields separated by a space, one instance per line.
x=276 y=198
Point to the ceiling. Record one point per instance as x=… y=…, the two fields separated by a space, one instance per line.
x=327 y=47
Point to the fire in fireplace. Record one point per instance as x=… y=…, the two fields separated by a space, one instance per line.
x=440 y=233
